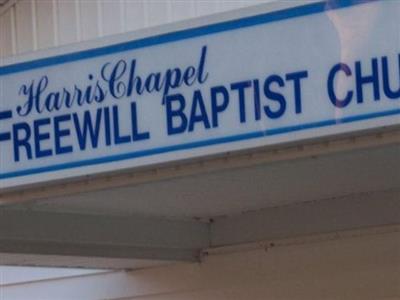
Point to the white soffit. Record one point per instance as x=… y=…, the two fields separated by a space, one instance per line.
x=231 y=192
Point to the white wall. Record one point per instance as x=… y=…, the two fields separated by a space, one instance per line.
x=28 y=25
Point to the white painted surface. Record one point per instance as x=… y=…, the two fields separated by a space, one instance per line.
x=51 y=239
x=230 y=192
x=25 y=17
x=352 y=267
x=357 y=268
x=7 y=33
x=69 y=21
x=10 y=275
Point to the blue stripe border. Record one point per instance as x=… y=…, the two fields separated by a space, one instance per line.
x=280 y=15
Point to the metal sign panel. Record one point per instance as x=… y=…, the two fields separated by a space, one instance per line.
x=299 y=73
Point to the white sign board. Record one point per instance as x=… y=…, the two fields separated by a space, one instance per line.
x=298 y=73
